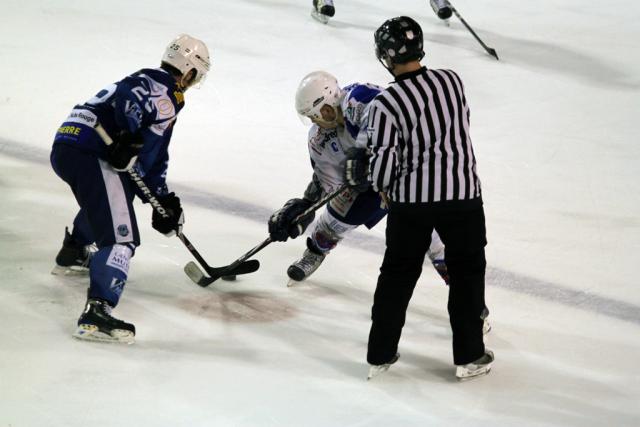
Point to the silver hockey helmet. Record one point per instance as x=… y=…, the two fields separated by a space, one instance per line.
x=316 y=90
x=186 y=53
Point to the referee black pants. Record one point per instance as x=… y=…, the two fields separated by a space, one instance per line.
x=461 y=226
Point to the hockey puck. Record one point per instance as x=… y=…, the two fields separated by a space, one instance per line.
x=229 y=278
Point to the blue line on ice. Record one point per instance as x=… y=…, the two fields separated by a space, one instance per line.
x=495 y=276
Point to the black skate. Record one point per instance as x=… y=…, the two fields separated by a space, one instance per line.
x=305 y=266
x=477 y=368
x=97 y=324
x=73 y=258
x=323 y=10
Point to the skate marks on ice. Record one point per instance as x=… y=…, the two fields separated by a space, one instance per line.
x=239 y=306
x=368 y=242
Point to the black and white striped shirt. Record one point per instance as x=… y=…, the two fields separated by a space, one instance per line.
x=418 y=135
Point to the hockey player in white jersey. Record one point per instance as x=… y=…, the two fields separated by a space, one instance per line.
x=339 y=117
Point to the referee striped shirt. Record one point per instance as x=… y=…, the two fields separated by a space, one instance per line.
x=418 y=135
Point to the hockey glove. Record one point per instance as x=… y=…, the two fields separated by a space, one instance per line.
x=123 y=152
x=356 y=169
x=172 y=222
x=281 y=225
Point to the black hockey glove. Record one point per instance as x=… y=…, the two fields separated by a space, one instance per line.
x=123 y=152
x=172 y=223
x=281 y=225
x=356 y=169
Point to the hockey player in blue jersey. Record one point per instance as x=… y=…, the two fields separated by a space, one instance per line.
x=138 y=113
x=339 y=117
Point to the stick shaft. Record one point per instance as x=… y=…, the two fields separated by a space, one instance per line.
x=489 y=50
x=317 y=205
x=151 y=198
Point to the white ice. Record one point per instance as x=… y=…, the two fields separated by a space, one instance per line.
x=555 y=125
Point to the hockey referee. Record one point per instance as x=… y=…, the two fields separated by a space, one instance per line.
x=420 y=157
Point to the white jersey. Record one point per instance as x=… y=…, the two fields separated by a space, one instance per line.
x=328 y=147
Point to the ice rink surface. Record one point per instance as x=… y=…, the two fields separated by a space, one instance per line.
x=555 y=128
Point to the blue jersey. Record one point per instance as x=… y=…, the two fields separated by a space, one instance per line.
x=146 y=102
x=355 y=107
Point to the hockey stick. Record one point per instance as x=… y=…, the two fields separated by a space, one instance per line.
x=204 y=282
x=491 y=51
x=240 y=268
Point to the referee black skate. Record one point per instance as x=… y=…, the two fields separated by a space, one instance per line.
x=421 y=158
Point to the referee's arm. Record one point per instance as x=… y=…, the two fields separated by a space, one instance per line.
x=382 y=142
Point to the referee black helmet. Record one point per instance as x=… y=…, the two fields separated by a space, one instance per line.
x=399 y=40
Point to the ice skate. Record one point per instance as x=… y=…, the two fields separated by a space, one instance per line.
x=477 y=368
x=323 y=10
x=376 y=370
x=73 y=258
x=97 y=324
x=305 y=266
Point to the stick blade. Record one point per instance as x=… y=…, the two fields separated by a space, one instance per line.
x=245 y=268
x=197 y=275
x=493 y=53
x=201 y=279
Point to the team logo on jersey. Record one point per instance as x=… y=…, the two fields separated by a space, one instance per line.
x=123 y=230
x=165 y=107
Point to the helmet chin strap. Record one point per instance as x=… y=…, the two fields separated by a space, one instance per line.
x=384 y=64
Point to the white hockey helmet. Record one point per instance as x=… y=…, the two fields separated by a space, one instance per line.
x=315 y=90
x=186 y=53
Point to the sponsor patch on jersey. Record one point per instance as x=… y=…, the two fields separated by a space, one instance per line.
x=69 y=130
x=119 y=258
x=84 y=117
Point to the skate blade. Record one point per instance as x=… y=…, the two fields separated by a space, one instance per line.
x=319 y=17
x=292 y=282
x=374 y=371
x=60 y=270
x=92 y=333
x=463 y=374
